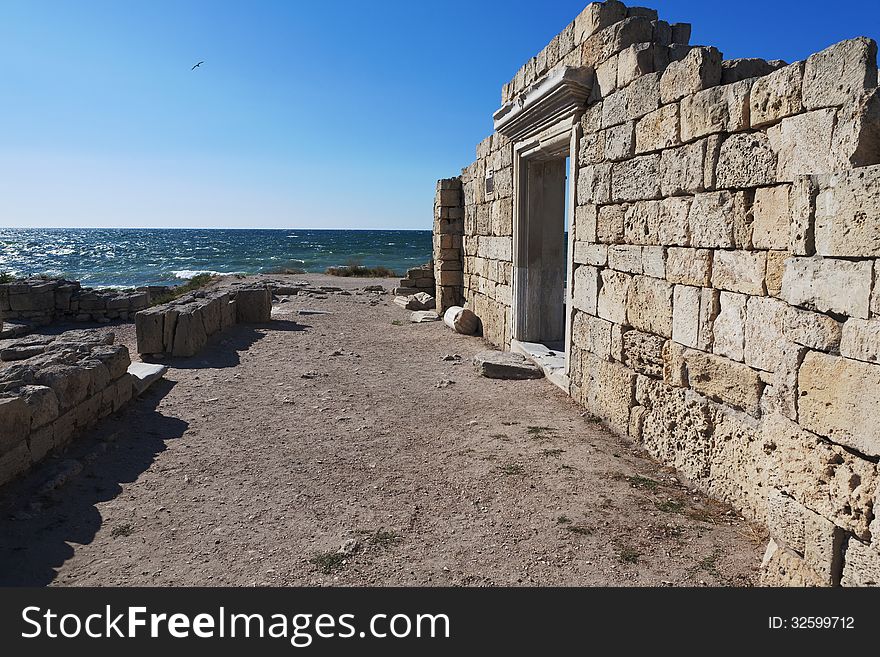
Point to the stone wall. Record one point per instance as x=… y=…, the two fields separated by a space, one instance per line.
x=49 y=399
x=182 y=327
x=724 y=244
x=448 y=231
x=40 y=301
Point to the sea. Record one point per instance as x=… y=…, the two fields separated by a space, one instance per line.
x=131 y=257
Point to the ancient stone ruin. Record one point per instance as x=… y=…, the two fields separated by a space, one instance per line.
x=715 y=298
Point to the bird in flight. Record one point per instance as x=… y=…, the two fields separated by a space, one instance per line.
x=196 y=66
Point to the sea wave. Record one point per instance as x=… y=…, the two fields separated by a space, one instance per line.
x=192 y=273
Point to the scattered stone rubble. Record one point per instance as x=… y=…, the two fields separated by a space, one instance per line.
x=506 y=365
x=418 y=301
x=725 y=243
x=182 y=327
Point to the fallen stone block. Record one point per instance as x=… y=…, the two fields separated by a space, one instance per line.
x=253 y=305
x=422 y=316
x=143 y=375
x=506 y=365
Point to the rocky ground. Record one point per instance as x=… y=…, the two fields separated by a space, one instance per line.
x=256 y=461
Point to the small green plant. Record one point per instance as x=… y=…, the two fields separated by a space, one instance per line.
x=122 y=529
x=580 y=529
x=670 y=506
x=552 y=452
x=538 y=431
x=644 y=483
x=6 y=277
x=328 y=562
x=360 y=271
x=512 y=469
x=384 y=538
x=196 y=282
x=396 y=322
x=628 y=555
x=563 y=520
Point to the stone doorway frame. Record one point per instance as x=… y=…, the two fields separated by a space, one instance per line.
x=544 y=126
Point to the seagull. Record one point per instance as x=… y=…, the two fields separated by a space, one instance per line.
x=196 y=66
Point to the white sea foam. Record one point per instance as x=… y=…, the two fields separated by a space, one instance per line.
x=192 y=273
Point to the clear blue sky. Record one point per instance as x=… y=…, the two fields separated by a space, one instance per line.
x=305 y=114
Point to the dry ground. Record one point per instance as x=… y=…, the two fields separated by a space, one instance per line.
x=257 y=459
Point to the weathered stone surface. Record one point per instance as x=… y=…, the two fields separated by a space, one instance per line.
x=776 y=96
x=739 y=271
x=654 y=261
x=784 y=567
x=619 y=142
x=70 y=383
x=643 y=353
x=624 y=257
x=420 y=301
x=585 y=222
x=149 y=328
x=715 y=110
x=586 y=289
x=811 y=329
x=719 y=220
x=672 y=220
x=594 y=184
x=506 y=365
x=423 y=316
x=15 y=422
x=734 y=70
x=724 y=380
x=686 y=315
x=738 y=464
x=828 y=285
x=764 y=345
x=587 y=253
x=143 y=375
x=838 y=397
x=635 y=61
x=641 y=223
x=823 y=477
x=42 y=404
x=593 y=334
x=610 y=393
x=610 y=223
x=848 y=214
x=649 y=305
x=657 y=130
x=775 y=271
x=746 y=160
x=771 y=211
x=253 y=305
x=861 y=565
x=835 y=75
x=860 y=339
x=613 y=293
x=14 y=462
x=682 y=170
x=804 y=144
x=189 y=334
x=729 y=326
x=699 y=70
x=636 y=179
x=597 y=16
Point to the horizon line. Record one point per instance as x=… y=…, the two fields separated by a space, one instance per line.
x=400 y=230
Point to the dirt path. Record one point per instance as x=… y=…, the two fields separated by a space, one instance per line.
x=240 y=470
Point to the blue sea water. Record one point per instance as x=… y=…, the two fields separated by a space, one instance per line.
x=123 y=257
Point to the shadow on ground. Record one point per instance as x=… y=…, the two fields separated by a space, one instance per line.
x=54 y=504
x=223 y=349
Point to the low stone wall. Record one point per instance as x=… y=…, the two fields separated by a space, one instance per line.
x=182 y=327
x=48 y=400
x=417 y=279
x=40 y=302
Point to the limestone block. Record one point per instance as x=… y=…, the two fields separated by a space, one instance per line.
x=149 y=330
x=828 y=285
x=606 y=78
x=649 y=305
x=724 y=380
x=636 y=179
x=715 y=110
x=837 y=396
x=729 y=326
x=719 y=220
x=611 y=396
x=674 y=370
x=593 y=334
x=802 y=201
x=771 y=211
x=613 y=292
x=495 y=248
x=861 y=565
x=785 y=520
x=689 y=266
x=825 y=478
x=682 y=169
x=253 y=305
x=228 y=313
x=597 y=16
x=860 y=339
x=693 y=313
x=856 y=138
x=114 y=357
x=776 y=96
x=587 y=253
x=99 y=375
x=614 y=109
x=734 y=70
x=784 y=567
x=190 y=336
x=658 y=130
x=699 y=70
x=813 y=330
x=614 y=38
x=804 y=144
x=641 y=223
x=642 y=96
x=739 y=271
x=643 y=353
x=15 y=422
x=70 y=383
x=635 y=61
x=594 y=184
x=586 y=289
x=745 y=160
x=591 y=148
x=625 y=257
x=738 y=464
x=654 y=261
x=610 y=222
x=764 y=341
x=585 y=217
x=673 y=227
x=837 y=74
x=847 y=215
x=14 y=462
x=619 y=142
x=688 y=447
x=42 y=405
